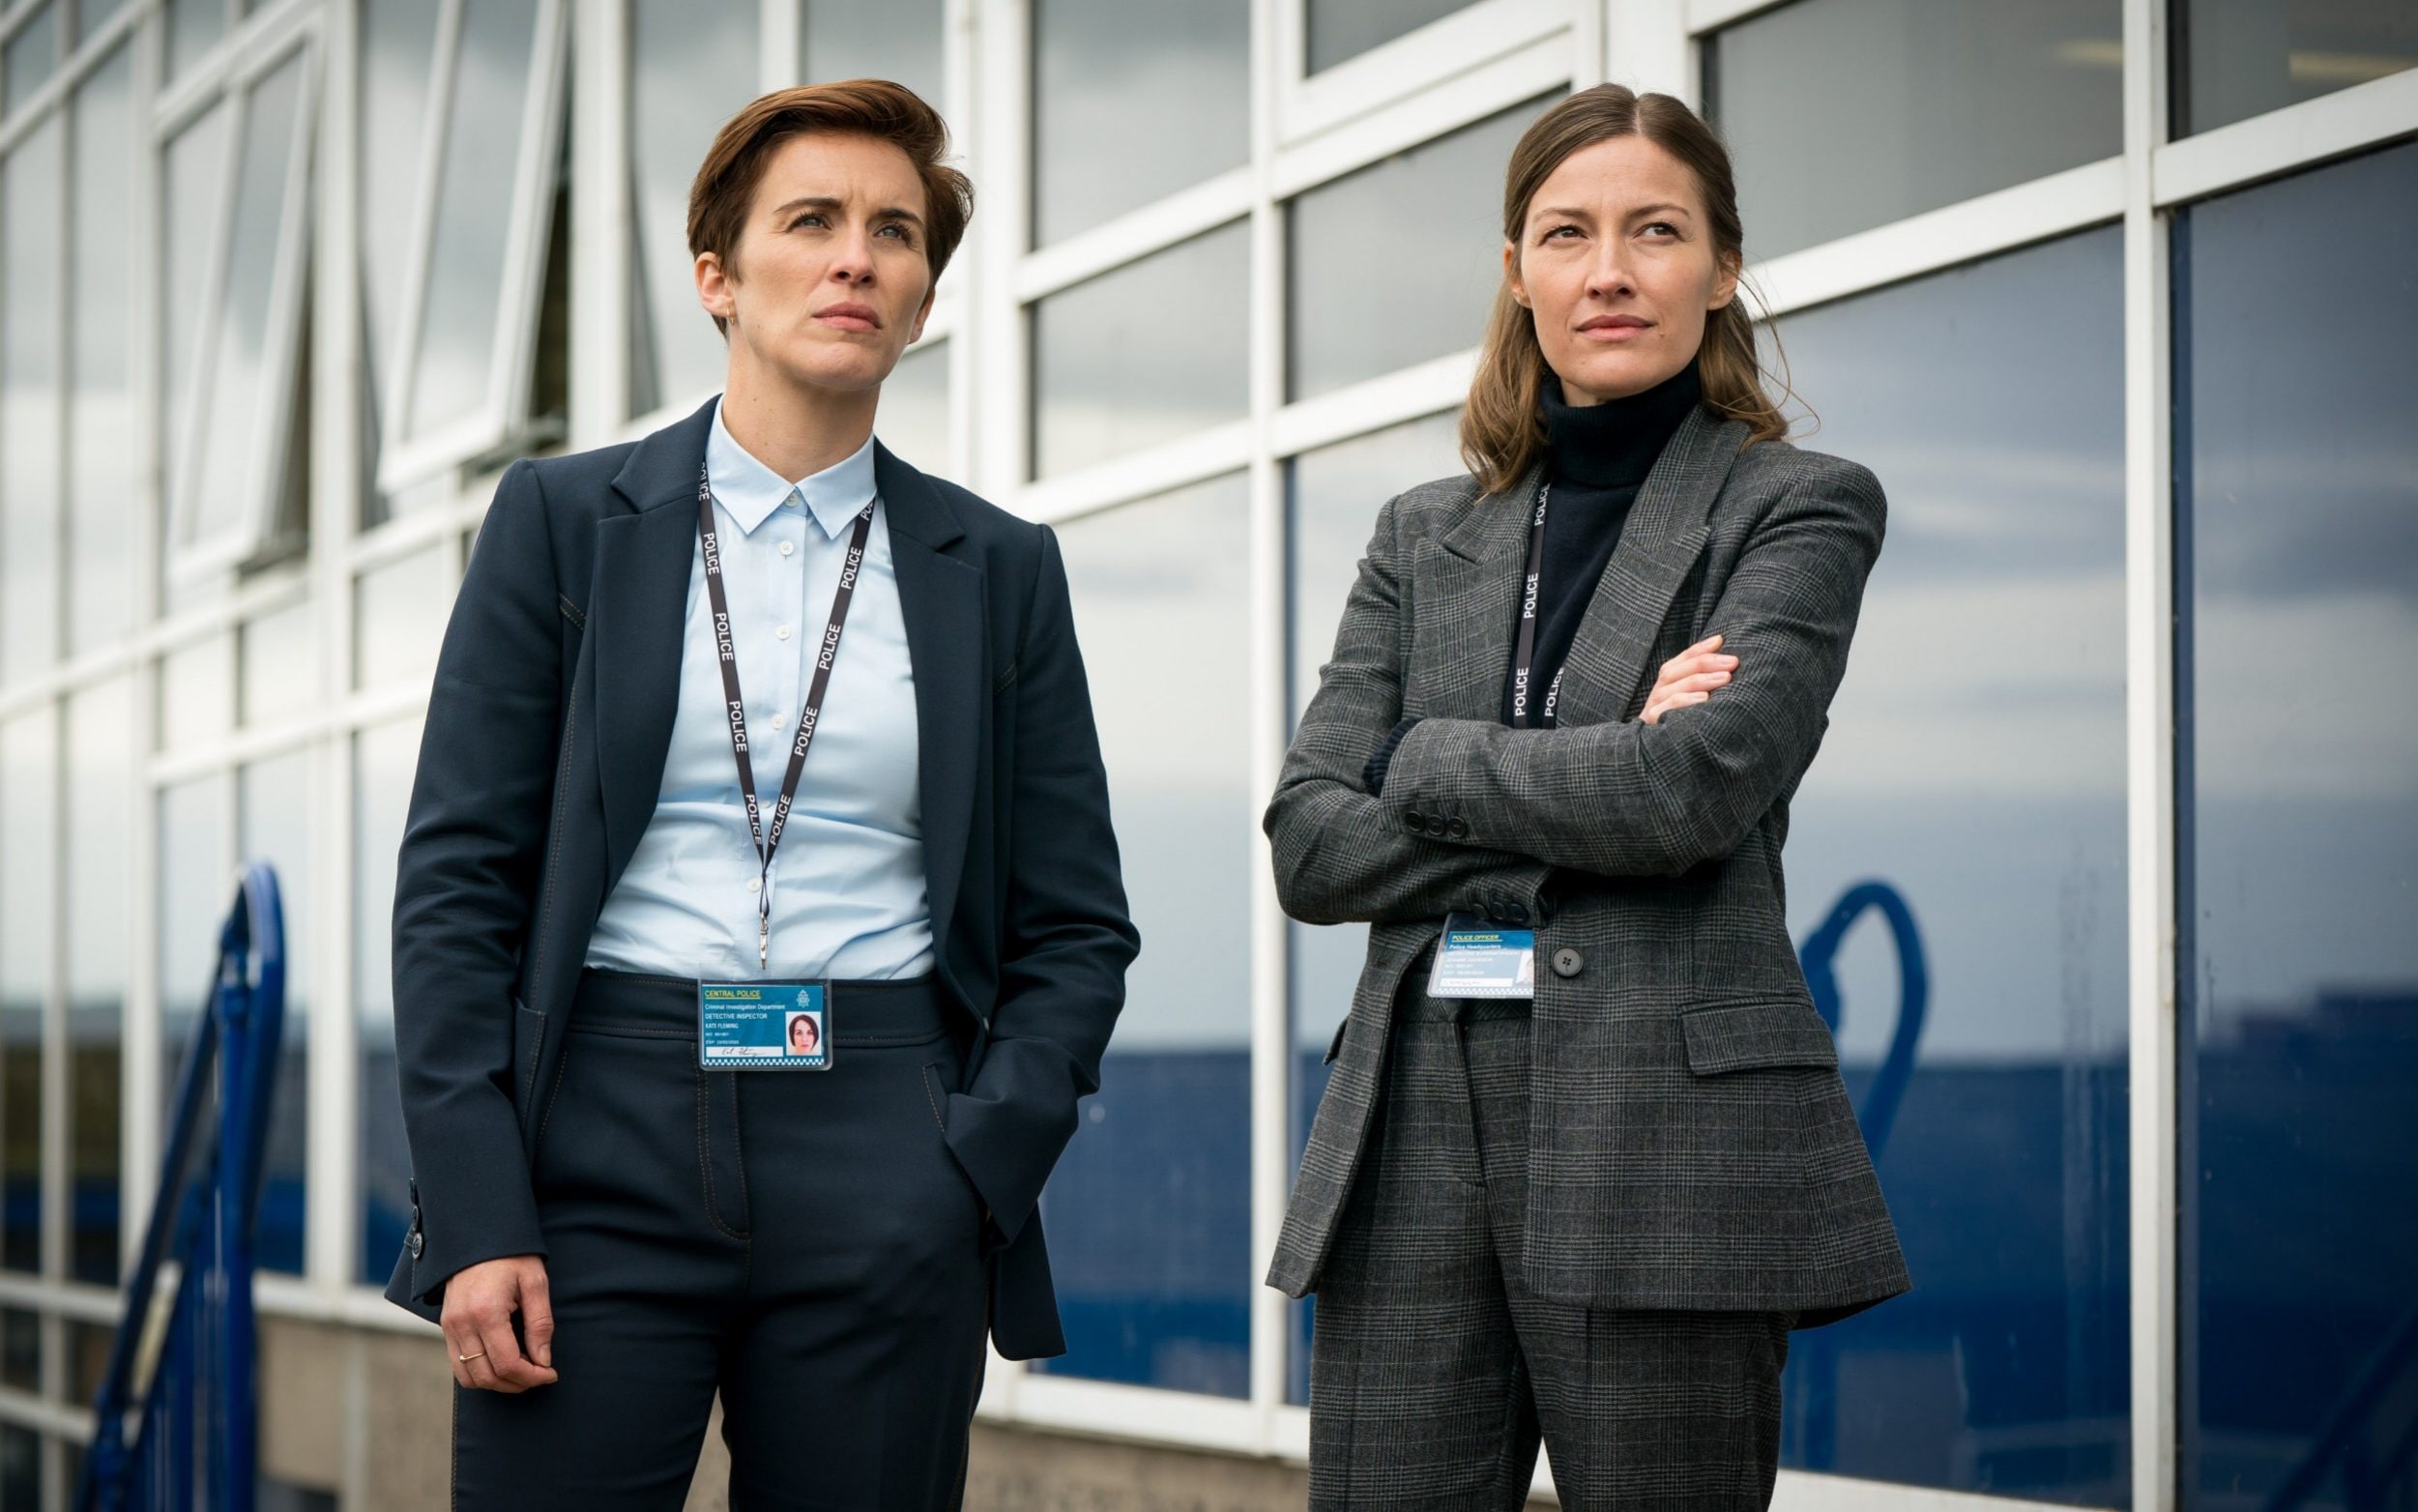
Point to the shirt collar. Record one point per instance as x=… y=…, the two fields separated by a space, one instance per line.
x=749 y=492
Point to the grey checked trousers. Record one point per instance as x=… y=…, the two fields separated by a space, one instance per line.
x=1433 y=1373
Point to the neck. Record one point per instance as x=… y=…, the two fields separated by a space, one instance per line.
x=794 y=429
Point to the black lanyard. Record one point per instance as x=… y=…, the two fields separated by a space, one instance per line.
x=766 y=844
x=1524 y=664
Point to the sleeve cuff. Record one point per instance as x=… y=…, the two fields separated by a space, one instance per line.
x=1373 y=774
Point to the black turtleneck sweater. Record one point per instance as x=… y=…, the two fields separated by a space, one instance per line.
x=1596 y=459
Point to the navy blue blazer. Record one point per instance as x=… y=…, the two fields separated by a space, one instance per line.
x=546 y=730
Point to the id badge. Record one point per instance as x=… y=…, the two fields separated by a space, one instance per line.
x=1478 y=958
x=762 y=1026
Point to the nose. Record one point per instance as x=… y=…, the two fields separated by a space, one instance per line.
x=1609 y=278
x=852 y=262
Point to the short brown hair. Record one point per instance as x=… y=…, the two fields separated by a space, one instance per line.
x=726 y=181
x=1501 y=432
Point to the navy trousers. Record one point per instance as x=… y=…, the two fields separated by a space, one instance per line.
x=802 y=1242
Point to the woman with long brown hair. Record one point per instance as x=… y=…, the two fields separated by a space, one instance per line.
x=1586 y=1159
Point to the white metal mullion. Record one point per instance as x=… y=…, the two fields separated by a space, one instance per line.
x=1270 y=1020
x=511 y=359
x=1467 y=98
x=1588 y=27
x=1647 y=47
x=185 y=455
x=1427 y=56
x=1000 y=150
x=955 y=314
x=1705 y=16
x=2346 y=121
x=331 y=1175
x=1172 y=218
x=600 y=222
x=2149 y=770
x=782 y=44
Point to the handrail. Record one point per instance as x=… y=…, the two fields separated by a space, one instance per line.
x=181 y=1383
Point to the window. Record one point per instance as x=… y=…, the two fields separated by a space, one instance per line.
x=914 y=419
x=1133 y=100
x=30 y=55
x=1146 y=353
x=1974 y=770
x=196 y=880
x=1950 y=99
x=99 y=779
x=2296 y=525
x=2241 y=58
x=30 y=255
x=101 y=488
x=397 y=51
x=28 y=817
x=1399 y=262
x=1149 y=1211
x=276 y=796
x=899 y=41
x=384 y=759
x=1343 y=29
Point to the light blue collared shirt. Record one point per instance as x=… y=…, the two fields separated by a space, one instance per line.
x=847 y=886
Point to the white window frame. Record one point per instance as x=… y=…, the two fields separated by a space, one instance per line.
x=1308 y=104
x=269 y=448
x=406 y=460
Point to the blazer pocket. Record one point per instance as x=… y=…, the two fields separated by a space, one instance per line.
x=528 y=1040
x=1742 y=1035
x=1334 y=1046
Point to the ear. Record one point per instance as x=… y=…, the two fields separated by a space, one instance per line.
x=715 y=286
x=1512 y=276
x=1725 y=283
x=924 y=313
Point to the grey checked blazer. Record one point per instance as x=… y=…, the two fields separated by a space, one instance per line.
x=1690 y=1143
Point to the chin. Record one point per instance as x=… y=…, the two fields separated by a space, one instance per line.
x=1613 y=375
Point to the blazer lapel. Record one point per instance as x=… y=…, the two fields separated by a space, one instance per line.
x=637 y=612
x=1466 y=604
x=942 y=600
x=1665 y=534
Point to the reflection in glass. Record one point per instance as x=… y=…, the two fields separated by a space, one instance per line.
x=1152 y=1203
x=899 y=41
x=691 y=64
x=397 y=63
x=101 y=410
x=1133 y=100
x=102 y=783
x=456 y=343
x=1340 y=29
x=384 y=758
x=29 y=404
x=1436 y=209
x=403 y=606
x=2245 y=57
x=1951 y=99
x=194 y=26
x=244 y=325
x=275 y=799
x=195 y=193
x=1975 y=766
x=30 y=56
x=1149 y=352
x=2296 y=517
x=196 y=882
x=914 y=420
x=1334 y=495
x=28 y=813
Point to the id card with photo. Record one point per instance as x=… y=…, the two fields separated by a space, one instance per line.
x=762 y=1026
x=1479 y=958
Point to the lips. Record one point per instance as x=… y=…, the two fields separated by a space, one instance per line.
x=1609 y=323
x=849 y=316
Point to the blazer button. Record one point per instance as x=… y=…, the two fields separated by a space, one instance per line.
x=1513 y=913
x=1416 y=820
x=1568 y=962
x=416 y=1244
x=1459 y=829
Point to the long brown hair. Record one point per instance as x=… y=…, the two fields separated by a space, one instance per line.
x=1501 y=435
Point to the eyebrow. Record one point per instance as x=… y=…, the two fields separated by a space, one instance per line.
x=1574 y=214
x=833 y=202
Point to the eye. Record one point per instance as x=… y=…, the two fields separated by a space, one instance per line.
x=1554 y=231
x=1663 y=225
x=804 y=217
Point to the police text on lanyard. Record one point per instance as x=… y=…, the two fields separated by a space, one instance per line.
x=1524 y=663
x=767 y=842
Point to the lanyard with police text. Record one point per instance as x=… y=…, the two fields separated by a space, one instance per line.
x=1523 y=665
x=767 y=842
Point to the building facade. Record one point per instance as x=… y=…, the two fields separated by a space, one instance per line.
x=2107 y=873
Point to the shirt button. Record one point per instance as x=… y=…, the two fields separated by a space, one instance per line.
x=755 y=883
x=775 y=721
x=781 y=633
x=788 y=546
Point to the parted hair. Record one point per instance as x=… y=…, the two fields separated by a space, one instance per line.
x=725 y=185
x=1501 y=433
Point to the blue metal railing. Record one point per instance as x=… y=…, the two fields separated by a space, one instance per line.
x=175 y=1422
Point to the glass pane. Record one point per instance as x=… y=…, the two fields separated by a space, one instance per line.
x=384 y=758
x=20 y=1466
x=277 y=803
x=398 y=62
x=21 y=1349
x=192 y=194
x=29 y=797
x=1148 y=353
x=691 y=67
x=913 y=421
x=90 y=13
x=899 y=41
x=198 y=692
x=29 y=404
x=281 y=665
x=193 y=25
x=1951 y=99
x=238 y=395
x=104 y=797
x=1340 y=29
x=1978 y=784
x=2244 y=57
x=100 y=413
x=196 y=883
x=1334 y=495
x=2297 y=516
x=1133 y=100
x=474 y=214
x=1151 y=1203
x=32 y=53
x=403 y=608
x=1437 y=211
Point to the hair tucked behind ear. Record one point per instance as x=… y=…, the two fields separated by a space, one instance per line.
x=1501 y=435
